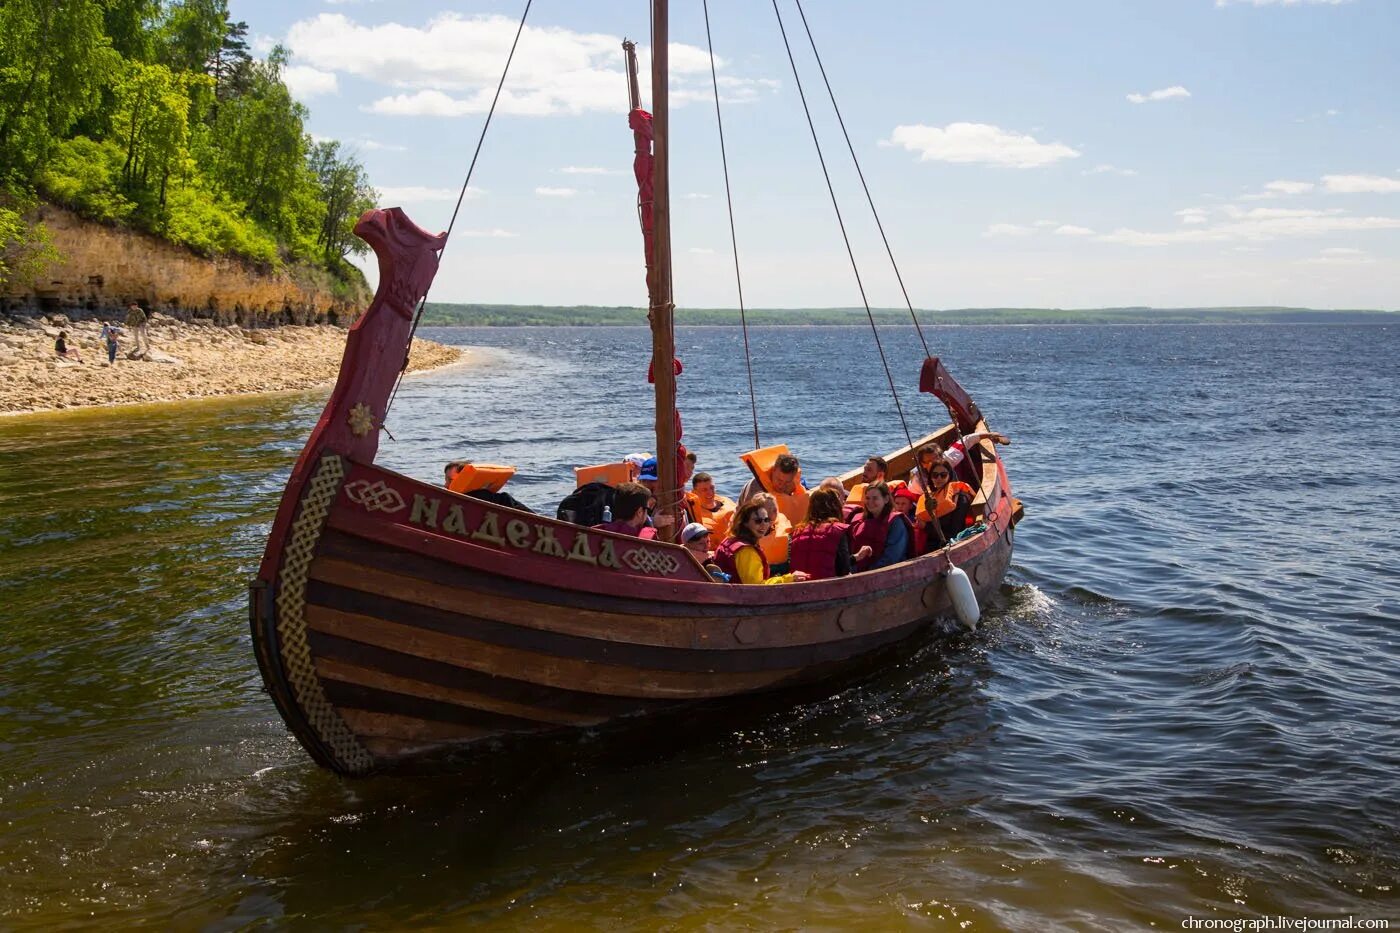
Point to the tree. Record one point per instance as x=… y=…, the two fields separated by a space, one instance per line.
x=192 y=34
x=152 y=123
x=346 y=194
x=54 y=57
x=232 y=66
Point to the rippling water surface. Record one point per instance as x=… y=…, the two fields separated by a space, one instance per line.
x=1184 y=701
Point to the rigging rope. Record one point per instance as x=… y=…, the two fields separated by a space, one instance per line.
x=461 y=196
x=842 y=224
x=733 y=238
x=869 y=200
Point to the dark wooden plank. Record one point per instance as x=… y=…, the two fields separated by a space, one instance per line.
x=369 y=699
x=369 y=724
x=564 y=673
x=505 y=689
x=330 y=669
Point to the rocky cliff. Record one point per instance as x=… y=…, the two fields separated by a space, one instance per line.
x=102 y=269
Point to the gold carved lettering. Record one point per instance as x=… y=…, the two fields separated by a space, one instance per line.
x=583 y=549
x=607 y=555
x=455 y=522
x=490 y=530
x=546 y=543
x=424 y=511
x=518 y=533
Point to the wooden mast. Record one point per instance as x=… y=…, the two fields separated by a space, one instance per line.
x=661 y=313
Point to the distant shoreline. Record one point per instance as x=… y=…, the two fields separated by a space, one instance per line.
x=450 y=315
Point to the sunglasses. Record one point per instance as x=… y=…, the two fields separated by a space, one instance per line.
x=939 y=473
x=762 y=519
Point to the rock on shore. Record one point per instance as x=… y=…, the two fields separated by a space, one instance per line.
x=193 y=360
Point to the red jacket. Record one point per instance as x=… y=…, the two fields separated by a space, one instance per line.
x=812 y=549
x=874 y=533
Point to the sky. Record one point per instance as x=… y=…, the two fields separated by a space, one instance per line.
x=1021 y=153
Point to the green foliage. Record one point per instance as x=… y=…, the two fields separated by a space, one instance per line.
x=155 y=115
x=25 y=251
x=54 y=59
x=208 y=223
x=83 y=174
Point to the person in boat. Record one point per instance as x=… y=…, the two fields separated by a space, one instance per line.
x=629 y=508
x=449 y=472
x=951 y=500
x=65 y=352
x=650 y=478
x=821 y=545
x=875 y=470
x=878 y=526
x=634 y=464
x=775 y=543
x=740 y=555
x=709 y=508
x=955 y=456
x=783 y=480
x=695 y=538
x=906 y=503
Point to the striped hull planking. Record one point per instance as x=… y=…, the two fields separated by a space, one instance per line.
x=425 y=621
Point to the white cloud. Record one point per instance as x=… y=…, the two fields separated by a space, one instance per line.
x=494 y=233
x=305 y=82
x=1166 y=93
x=591 y=170
x=374 y=145
x=1193 y=215
x=1047 y=223
x=977 y=143
x=546 y=192
x=1341 y=256
x=1361 y=184
x=1072 y=230
x=1256 y=225
x=695 y=196
x=1007 y=230
x=416 y=194
x=450 y=65
x=1106 y=169
x=1289 y=187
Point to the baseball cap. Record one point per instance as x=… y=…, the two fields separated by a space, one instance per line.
x=648 y=469
x=692 y=531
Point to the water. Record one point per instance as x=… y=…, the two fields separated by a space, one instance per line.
x=1183 y=703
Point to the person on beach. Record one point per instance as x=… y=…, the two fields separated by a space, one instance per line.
x=65 y=352
x=878 y=526
x=629 y=508
x=739 y=555
x=139 y=325
x=821 y=546
x=109 y=340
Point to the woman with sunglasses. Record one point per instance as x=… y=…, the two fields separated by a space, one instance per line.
x=951 y=498
x=882 y=529
x=740 y=555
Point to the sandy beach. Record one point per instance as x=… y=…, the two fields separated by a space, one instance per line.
x=189 y=360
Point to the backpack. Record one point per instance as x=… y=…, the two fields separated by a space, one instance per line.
x=500 y=498
x=586 y=503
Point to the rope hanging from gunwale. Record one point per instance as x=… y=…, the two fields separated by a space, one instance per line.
x=733 y=237
x=461 y=196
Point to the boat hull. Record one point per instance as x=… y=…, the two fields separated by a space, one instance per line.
x=403 y=620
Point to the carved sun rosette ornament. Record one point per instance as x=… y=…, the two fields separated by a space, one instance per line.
x=361 y=420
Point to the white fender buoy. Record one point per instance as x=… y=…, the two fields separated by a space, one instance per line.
x=964 y=600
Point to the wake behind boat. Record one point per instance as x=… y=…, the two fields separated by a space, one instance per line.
x=393 y=618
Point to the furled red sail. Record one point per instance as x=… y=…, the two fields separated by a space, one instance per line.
x=640 y=121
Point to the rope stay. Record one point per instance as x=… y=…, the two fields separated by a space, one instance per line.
x=461 y=196
x=855 y=268
x=733 y=237
x=889 y=251
x=865 y=187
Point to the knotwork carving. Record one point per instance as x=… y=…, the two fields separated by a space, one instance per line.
x=377 y=496
x=645 y=560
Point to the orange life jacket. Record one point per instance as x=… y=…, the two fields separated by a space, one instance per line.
x=945 y=499
x=476 y=476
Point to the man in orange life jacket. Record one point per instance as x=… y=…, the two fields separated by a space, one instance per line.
x=782 y=479
x=713 y=511
x=630 y=512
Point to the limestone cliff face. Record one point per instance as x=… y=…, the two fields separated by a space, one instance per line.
x=103 y=269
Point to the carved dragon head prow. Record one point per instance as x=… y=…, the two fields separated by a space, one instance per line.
x=408 y=256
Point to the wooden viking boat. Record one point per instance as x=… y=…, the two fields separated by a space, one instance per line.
x=393 y=618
